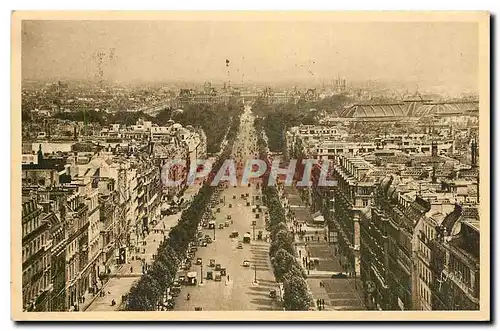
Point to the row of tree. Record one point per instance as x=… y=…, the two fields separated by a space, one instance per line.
x=214 y=119
x=149 y=290
x=277 y=118
x=282 y=251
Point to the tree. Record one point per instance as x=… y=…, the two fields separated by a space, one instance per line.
x=282 y=240
x=295 y=270
x=178 y=238
x=138 y=300
x=281 y=261
x=296 y=295
x=161 y=273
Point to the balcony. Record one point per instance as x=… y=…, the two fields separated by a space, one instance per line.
x=460 y=284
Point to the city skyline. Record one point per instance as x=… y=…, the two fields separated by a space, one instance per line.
x=427 y=54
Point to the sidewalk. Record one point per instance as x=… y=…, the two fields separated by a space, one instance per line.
x=337 y=293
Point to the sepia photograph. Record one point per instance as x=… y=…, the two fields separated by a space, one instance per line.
x=224 y=166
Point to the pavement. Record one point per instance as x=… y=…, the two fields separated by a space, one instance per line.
x=339 y=293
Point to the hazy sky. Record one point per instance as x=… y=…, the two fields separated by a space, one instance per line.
x=444 y=54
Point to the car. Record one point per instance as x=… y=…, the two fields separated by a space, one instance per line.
x=221 y=226
x=207 y=236
x=175 y=291
x=203 y=243
x=339 y=275
x=217 y=267
x=240 y=245
x=209 y=240
x=218 y=277
x=199 y=261
x=246 y=263
x=228 y=216
x=226 y=224
x=234 y=234
x=181 y=279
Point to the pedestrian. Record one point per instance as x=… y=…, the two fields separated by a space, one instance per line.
x=317 y=302
x=83 y=299
x=131 y=269
x=228 y=278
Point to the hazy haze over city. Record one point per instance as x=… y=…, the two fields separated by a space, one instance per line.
x=429 y=54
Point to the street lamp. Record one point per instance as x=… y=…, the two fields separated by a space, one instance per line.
x=255 y=269
x=214 y=232
x=201 y=271
x=253 y=228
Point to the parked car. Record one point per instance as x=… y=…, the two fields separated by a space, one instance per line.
x=240 y=245
x=210 y=275
x=181 y=279
x=209 y=240
x=234 y=234
x=226 y=224
x=221 y=226
x=212 y=263
x=246 y=263
x=339 y=275
x=175 y=291
x=218 y=277
x=217 y=267
x=199 y=261
x=228 y=216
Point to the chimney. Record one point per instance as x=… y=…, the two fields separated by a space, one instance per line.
x=474 y=153
x=434 y=149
